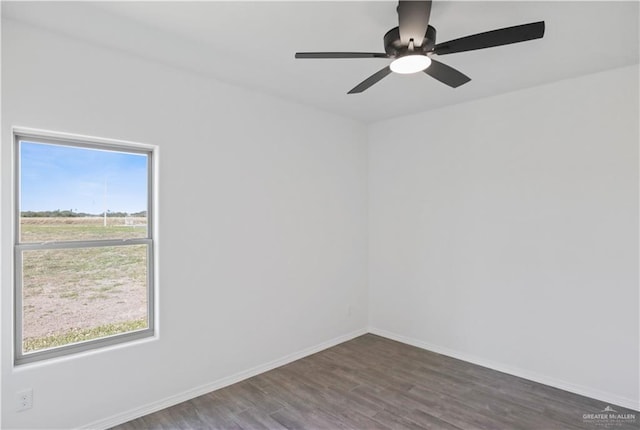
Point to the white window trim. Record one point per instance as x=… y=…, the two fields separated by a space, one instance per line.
x=41 y=136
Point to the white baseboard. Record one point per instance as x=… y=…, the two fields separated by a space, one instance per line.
x=216 y=385
x=605 y=397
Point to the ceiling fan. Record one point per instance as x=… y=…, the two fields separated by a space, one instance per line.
x=412 y=44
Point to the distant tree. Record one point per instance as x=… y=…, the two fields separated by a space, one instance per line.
x=54 y=214
x=72 y=213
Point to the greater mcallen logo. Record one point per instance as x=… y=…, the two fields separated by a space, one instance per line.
x=609 y=417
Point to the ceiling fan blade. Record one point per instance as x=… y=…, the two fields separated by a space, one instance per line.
x=413 y=20
x=503 y=36
x=340 y=55
x=370 y=80
x=446 y=74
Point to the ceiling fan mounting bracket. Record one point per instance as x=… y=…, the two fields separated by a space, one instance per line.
x=394 y=47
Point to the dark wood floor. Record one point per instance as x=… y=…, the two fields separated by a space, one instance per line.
x=375 y=383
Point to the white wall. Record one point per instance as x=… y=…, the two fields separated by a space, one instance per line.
x=268 y=265
x=505 y=232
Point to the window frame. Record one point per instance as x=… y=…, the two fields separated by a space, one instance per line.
x=38 y=136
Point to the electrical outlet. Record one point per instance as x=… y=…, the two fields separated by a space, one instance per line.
x=25 y=400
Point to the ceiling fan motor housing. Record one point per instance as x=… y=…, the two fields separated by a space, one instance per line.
x=394 y=47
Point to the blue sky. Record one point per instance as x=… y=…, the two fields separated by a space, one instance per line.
x=69 y=178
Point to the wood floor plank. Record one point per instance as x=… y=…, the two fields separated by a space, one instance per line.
x=395 y=422
x=373 y=383
x=257 y=419
x=210 y=411
x=251 y=393
x=428 y=421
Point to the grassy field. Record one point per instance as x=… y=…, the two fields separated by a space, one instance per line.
x=89 y=228
x=71 y=295
x=79 y=335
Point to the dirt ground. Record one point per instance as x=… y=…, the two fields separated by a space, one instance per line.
x=71 y=289
x=50 y=313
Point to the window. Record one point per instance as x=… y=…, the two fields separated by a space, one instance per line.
x=83 y=244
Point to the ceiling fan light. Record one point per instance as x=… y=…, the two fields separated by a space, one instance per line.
x=410 y=64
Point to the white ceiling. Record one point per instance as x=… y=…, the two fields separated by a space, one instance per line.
x=252 y=44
